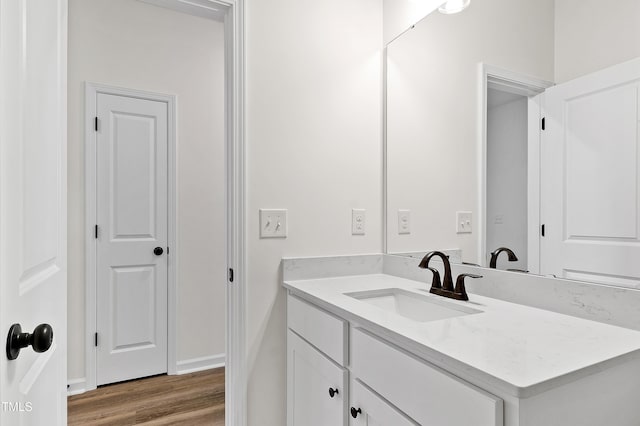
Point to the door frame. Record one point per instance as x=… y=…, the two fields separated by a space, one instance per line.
x=521 y=84
x=92 y=90
x=232 y=13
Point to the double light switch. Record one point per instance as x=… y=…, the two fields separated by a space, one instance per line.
x=273 y=223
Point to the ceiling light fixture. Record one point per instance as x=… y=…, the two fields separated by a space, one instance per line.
x=453 y=6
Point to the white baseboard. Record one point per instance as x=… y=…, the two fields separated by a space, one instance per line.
x=199 y=364
x=76 y=386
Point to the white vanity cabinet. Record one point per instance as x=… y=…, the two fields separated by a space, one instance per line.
x=388 y=387
x=505 y=364
x=317 y=381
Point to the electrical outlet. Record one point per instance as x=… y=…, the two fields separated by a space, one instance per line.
x=358 y=221
x=404 y=221
x=463 y=223
x=273 y=223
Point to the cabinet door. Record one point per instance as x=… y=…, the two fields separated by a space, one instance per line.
x=312 y=379
x=371 y=410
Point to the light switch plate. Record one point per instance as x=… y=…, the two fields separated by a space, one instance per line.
x=273 y=223
x=404 y=222
x=358 y=221
x=464 y=223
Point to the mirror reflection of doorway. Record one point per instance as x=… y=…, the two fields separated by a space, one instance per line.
x=507 y=135
x=510 y=200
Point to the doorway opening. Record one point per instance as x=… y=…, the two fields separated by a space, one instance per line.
x=163 y=16
x=509 y=165
x=507 y=169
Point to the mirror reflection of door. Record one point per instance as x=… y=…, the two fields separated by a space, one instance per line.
x=590 y=170
x=506 y=216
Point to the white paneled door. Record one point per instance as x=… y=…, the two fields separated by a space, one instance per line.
x=131 y=238
x=590 y=176
x=33 y=189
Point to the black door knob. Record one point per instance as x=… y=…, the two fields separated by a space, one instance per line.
x=333 y=392
x=354 y=412
x=40 y=340
x=158 y=251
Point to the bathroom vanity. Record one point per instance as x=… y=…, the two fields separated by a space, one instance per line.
x=378 y=349
x=483 y=126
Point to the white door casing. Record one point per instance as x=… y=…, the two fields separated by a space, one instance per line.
x=131 y=188
x=236 y=350
x=533 y=182
x=33 y=197
x=591 y=178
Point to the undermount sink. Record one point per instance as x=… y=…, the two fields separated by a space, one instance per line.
x=411 y=305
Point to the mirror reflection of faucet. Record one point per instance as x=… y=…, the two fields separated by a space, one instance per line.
x=494 y=256
x=445 y=288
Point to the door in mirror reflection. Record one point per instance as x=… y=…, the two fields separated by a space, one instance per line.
x=590 y=173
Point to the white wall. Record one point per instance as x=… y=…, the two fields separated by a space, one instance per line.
x=314 y=122
x=507 y=141
x=399 y=15
x=433 y=89
x=131 y=44
x=594 y=34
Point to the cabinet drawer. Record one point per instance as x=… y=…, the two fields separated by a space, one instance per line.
x=424 y=392
x=323 y=330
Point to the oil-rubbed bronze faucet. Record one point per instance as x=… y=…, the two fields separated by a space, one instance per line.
x=494 y=256
x=447 y=282
x=446 y=288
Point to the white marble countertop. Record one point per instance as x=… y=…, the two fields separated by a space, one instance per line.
x=515 y=348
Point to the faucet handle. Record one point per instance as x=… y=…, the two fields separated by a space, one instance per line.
x=460 y=291
x=435 y=282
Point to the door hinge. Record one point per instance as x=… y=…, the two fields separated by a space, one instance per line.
x=230 y=275
x=95 y=122
x=544 y=123
x=96 y=339
x=96 y=231
x=542 y=229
